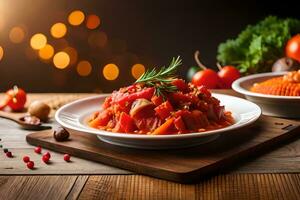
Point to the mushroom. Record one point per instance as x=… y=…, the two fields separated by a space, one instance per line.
x=39 y=109
x=139 y=105
x=285 y=64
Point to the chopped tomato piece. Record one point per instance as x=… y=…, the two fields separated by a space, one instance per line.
x=179 y=124
x=144 y=94
x=127 y=124
x=101 y=120
x=157 y=100
x=164 y=128
x=180 y=84
x=164 y=110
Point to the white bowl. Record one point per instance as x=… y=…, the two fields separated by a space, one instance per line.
x=272 y=105
x=73 y=117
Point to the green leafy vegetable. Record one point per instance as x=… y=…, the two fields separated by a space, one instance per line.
x=161 y=80
x=258 y=46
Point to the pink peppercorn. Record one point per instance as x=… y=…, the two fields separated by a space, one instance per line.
x=26 y=159
x=9 y=154
x=67 y=157
x=38 y=149
x=45 y=158
x=47 y=154
x=30 y=164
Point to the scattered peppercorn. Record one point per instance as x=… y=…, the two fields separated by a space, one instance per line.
x=5 y=150
x=26 y=159
x=67 y=157
x=9 y=154
x=30 y=164
x=60 y=134
x=38 y=149
x=47 y=154
x=45 y=159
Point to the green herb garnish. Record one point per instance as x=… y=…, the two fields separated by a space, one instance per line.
x=257 y=47
x=161 y=80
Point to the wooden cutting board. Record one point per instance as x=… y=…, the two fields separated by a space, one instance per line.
x=181 y=165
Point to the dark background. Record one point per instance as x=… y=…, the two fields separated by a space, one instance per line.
x=139 y=31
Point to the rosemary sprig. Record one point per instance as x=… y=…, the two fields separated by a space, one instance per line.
x=161 y=80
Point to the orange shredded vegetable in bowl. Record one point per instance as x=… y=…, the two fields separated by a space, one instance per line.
x=287 y=85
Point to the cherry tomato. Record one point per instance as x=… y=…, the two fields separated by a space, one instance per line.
x=228 y=74
x=292 y=48
x=207 y=77
x=16 y=98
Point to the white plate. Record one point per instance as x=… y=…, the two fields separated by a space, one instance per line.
x=73 y=117
x=273 y=105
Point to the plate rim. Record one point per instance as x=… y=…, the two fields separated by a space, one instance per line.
x=154 y=137
x=236 y=85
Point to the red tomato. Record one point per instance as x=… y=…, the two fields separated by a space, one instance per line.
x=16 y=98
x=207 y=77
x=228 y=74
x=292 y=48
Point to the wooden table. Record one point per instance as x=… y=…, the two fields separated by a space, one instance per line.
x=273 y=175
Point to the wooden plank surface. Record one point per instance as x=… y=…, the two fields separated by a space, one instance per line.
x=282 y=159
x=231 y=187
x=237 y=186
x=180 y=165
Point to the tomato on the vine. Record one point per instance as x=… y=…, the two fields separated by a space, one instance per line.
x=228 y=74
x=292 y=48
x=207 y=77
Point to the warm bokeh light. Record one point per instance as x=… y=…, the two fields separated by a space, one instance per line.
x=47 y=52
x=1 y=53
x=38 y=41
x=137 y=70
x=111 y=71
x=76 y=17
x=97 y=39
x=84 y=68
x=61 y=60
x=72 y=54
x=92 y=21
x=58 y=30
x=16 y=35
